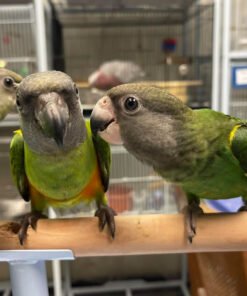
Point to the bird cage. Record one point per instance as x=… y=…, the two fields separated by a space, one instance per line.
x=17 y=35
x=135 y=188
x=166 y=39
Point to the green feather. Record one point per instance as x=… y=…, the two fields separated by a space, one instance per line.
x=239 y=145
x=61 y=176
x=103 y=152
x=17 y=165
x=217 y=173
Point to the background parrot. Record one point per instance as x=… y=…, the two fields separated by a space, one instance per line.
x=8 y=83
x=115 y=72
x=202 y=150
x=54 y=159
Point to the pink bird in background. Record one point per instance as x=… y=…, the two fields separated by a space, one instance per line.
x=115 y=72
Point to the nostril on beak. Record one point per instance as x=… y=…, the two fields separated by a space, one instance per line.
x=103 y=102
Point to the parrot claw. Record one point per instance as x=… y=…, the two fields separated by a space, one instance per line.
x=190 y=231
x=193 y=228
x=29 y=219
x=106 y=216
x=190 y=239
x=191 y=213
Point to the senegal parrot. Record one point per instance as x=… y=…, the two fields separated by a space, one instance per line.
x=202 y=150
x=55 y=161
x=9 y=81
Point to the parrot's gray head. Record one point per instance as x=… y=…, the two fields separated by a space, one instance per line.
x=145 y=119
x=50 y=111
x=9 y=82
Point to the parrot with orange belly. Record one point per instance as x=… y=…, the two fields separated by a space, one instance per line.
x=55 y=160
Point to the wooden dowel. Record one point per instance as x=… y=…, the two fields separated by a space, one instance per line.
x=172 y=84
x=145 y=234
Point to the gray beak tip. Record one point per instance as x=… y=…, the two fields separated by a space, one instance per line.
x=99 y=125
x=58 y=137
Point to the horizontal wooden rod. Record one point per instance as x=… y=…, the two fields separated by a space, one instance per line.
x=144 y=234
x=166 y=84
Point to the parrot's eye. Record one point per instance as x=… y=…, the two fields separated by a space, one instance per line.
x=131 y=104
x=8 y=82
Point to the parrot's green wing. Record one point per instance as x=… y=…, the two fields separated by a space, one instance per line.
x=103 y=153
x=238 y=142
x=18 y=165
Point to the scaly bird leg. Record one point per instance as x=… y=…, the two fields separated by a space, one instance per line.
x=29 y=219
x=106 y=216
x=191 y=211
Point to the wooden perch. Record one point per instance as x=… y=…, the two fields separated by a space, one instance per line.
x=145 y=234
x=166 y=84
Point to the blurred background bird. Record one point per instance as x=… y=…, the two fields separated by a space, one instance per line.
x=8 y=82
x=114 y=73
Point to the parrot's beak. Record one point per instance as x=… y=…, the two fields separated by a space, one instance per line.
x=103 y=121
x=52 y=114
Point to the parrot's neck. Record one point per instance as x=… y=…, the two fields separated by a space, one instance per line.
x=167 y=146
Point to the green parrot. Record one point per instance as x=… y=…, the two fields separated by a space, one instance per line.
x=55 y=160
x=202 y=150
x=9 y=81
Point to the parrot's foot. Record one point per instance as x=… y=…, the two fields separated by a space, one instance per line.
x=106 y=216
x=191 y=212
x=29 y=219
